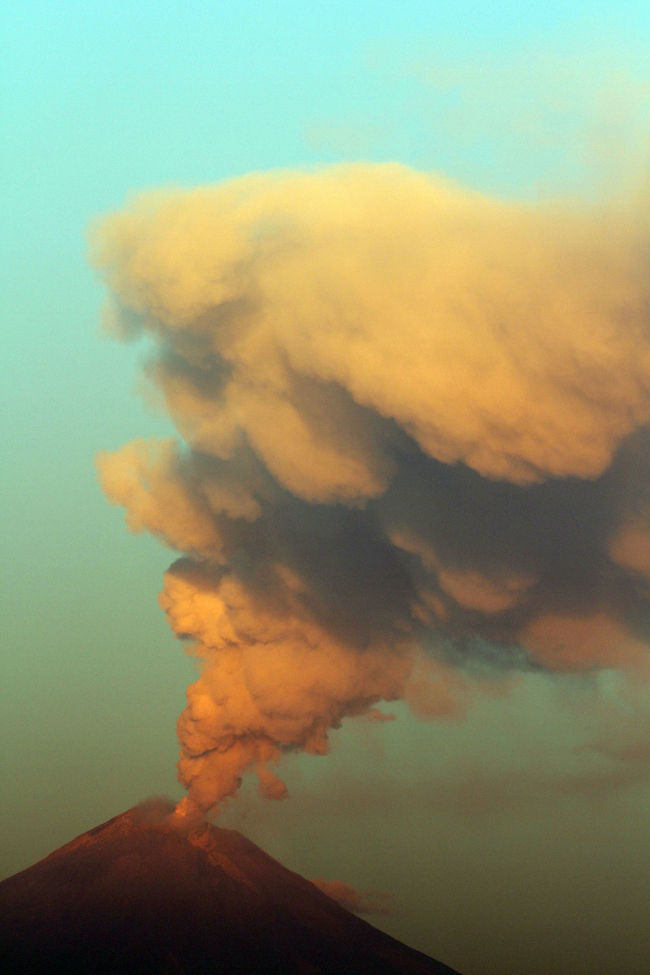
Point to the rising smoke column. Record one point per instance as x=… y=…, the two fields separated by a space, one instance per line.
x=414 y=446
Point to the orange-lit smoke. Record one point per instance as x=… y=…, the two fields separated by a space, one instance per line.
x=357 y=901
x=414 y=451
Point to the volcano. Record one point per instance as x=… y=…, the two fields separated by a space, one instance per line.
x=153 y=891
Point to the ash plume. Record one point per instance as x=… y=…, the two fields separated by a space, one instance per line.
x=414 y=446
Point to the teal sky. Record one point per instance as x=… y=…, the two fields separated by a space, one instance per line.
x=102 y=99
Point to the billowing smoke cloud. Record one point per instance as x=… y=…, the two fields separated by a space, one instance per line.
x=415 y=448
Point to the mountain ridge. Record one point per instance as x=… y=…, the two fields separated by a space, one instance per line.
x=153 y=890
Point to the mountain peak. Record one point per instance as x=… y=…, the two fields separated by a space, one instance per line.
x=158 y=889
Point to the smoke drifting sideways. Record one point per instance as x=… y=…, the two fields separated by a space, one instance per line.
x=414 y=449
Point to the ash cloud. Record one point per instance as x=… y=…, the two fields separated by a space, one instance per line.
x=414 y=446
x=357 y=901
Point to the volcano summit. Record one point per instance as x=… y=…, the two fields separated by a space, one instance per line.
x=153 y=891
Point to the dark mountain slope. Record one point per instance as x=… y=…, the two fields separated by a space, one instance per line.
x=147 y=892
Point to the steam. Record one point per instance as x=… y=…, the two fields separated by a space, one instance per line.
x=414 y=449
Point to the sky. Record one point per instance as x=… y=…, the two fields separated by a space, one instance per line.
x=500 y=818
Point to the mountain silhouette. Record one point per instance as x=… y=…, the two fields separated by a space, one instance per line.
x=148 y=892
